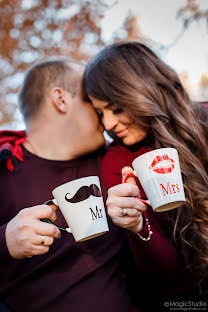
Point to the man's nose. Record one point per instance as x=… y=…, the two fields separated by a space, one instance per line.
x=109 y=120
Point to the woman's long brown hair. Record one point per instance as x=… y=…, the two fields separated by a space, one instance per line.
x=136 y=80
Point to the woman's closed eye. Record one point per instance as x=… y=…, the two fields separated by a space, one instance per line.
x=117 y=111
x=115 y=108
x=111 y=107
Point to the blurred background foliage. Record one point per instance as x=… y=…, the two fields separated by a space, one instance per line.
x=33 y=30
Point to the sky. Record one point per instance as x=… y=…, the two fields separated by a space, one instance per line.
x=158 y=22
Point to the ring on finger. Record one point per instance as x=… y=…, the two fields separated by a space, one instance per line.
x=124 y=212
x=42 y=240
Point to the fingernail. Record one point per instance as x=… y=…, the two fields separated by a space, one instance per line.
x=125 y=168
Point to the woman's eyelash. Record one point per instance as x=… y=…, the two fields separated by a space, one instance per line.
x=117 y=111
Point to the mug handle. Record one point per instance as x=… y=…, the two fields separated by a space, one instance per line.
x=133 y=174
x=53 y=201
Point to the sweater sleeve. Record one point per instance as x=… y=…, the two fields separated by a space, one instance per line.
x=158 y=249
x=4 y=253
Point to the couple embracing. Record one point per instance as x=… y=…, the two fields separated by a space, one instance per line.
x=146 y=258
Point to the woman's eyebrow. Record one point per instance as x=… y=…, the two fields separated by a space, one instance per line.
x=109 y=105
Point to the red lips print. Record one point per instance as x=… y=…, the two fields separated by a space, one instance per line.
x=158 y=164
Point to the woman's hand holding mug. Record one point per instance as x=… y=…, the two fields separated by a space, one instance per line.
x=123 y=208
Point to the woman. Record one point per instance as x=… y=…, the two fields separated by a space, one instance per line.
x=143 y=106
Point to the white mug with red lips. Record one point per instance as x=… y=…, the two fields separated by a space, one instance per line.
x=81 y=204
x=160 y=176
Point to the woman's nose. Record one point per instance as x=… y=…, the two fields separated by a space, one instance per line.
x=109 y=120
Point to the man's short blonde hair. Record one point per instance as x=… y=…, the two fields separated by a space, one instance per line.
x=43 y=77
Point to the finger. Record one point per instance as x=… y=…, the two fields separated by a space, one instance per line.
x=126 y=170
x=127 y=222
x=37 y=250
x=43 y=240
x=123 y=190
x=137 y=225
x=39 y=212
x=115 y=213
x=130 y=212
x=53 y=206
x=46 y=229
x=125 y=202
x=52 y=212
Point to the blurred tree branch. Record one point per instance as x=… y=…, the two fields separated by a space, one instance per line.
x=192 y=12
x=36 y=29
x=187 y=14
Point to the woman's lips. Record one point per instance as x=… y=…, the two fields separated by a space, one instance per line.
x=158 y=164
x=121 y=133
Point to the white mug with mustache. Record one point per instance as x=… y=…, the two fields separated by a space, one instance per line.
x=82 y=206
x=160 y=176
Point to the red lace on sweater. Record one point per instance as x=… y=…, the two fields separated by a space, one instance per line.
x=10 y=147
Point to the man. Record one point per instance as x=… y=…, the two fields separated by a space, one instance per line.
x=42 y=269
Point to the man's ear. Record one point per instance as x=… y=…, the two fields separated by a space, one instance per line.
x=58 y=98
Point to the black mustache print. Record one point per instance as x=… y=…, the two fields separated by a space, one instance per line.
x=83 y=193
